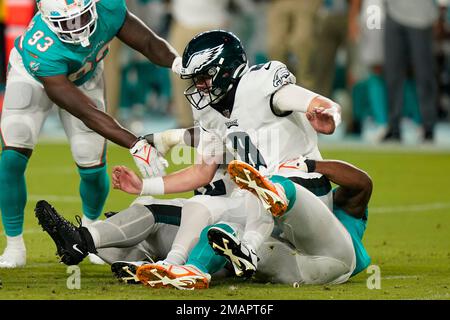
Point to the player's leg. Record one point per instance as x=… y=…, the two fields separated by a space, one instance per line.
x=327 y=250
x=25 y=109
x=197 y=213
x=126 y=229
x=241 y=251
x=89 y=152
x=282 y=263
x=125 y=261
x=196 y=273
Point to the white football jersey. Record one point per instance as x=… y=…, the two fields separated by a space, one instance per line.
x=252 y=128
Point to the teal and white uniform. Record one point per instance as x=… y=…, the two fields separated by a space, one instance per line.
x=43 y=54
x=356 y=228
x=40 y=53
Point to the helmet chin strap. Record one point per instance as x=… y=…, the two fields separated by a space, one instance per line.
x=85 y=42
x=84 y=37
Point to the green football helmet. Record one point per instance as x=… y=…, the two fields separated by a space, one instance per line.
x=214 y=61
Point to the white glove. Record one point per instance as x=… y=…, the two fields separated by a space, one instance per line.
x=176 y=65
x=165 y=140
x=149 y=162
x=294 y=164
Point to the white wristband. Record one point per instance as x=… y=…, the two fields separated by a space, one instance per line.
x=152 y=186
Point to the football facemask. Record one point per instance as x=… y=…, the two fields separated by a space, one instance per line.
x=73 y=21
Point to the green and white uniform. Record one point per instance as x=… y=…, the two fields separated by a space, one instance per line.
x=40 y=53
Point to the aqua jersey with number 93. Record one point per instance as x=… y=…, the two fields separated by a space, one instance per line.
x=44 y=55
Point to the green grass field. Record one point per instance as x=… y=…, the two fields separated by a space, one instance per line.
x=408 y=235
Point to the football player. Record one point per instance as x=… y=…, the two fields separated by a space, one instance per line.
x=313 y=259
x=232 y=100
x=59 y=61
x=264 y=117
x=147 y=228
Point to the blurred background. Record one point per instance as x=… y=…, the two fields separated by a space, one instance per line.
x=386 y=62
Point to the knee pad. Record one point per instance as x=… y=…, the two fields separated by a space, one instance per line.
x=24 y=109
x=19 y=131
x=197 y=212
x=88 y=149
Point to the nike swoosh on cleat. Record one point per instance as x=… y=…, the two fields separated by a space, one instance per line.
x=75 y=247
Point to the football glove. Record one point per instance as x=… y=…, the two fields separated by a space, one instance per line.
x=148 y=160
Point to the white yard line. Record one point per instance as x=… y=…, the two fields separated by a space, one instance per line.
x=68 y=199
x=411 y=208
x=399 y=277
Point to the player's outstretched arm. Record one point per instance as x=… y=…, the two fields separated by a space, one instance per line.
x=67 y=96
x=323 y=113
x=164 y=141
x=355 y=185
x=185 y=180
x=140 y=37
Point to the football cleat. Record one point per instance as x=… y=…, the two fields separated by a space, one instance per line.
x=164 y=275
x=243 y=259
x=73 y=244
x=13 y=258
x=125 y=271
x=247 y=177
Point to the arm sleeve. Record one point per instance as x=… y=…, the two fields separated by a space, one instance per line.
x=295 y=98
x=292 y=97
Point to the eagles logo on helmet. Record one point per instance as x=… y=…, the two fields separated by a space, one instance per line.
x=214 y=61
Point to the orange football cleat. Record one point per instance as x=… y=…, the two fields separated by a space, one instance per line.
x=247 y=177
x=163 y=275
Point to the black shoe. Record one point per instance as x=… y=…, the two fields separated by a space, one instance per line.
x=243 y=259
x=73 y=244
x=391 y=136
x=125 y=271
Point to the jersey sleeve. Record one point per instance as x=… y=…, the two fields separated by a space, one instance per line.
x=116 y=11
x=271 y=76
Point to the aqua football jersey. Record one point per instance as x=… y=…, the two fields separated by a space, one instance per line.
x=356 y=228
x=43 y=54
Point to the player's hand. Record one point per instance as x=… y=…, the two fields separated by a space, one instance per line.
x=148 y=160
x=177 y=65
x=294 y=164
x=126 y=180
x=324 y=115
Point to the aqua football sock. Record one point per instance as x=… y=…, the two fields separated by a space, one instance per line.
x=94 y=189
x=203 y=256
x=13 y=196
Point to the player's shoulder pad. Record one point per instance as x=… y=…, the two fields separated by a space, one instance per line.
x=112 y=13
x=112 y=5
x=270 y=76
x=45 y=58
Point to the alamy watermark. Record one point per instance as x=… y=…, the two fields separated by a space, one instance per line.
x=374 y=280
x=74 y=279
x=374 y=17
